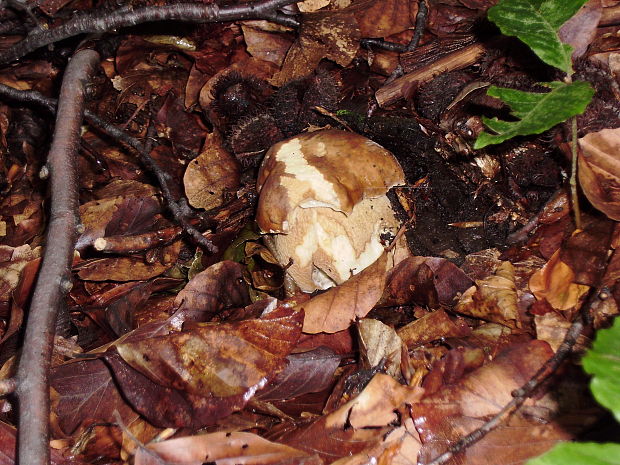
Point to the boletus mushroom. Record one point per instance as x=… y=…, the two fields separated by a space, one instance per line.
x=324 y=207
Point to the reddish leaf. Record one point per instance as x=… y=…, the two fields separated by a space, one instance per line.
x=425 y=280
x=207 y=371
x=367 y=417
x=86 y=394
x=456 y=410
x=306 y=372
x=129 y=268
x=206 y=294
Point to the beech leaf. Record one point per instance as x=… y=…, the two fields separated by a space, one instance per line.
x=236 y=447
x=337 y=308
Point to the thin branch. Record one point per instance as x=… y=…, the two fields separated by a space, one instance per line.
x=99 y=21
x=176 y=208
x=54 y=279
x=520 y=395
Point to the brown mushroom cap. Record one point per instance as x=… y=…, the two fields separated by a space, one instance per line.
x=326 y=168
x=322 y=196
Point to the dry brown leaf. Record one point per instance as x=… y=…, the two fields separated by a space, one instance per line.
x=400 y=447
x=379 y=343
x=599 y=170
x=129 y=268
x=556 y=283
x=456 y=410
x=236 y=447
x=436 y=325
x=334 y=36
x=217 y=359
x=211 y=174
x=356 y=425
x=494 y=298
x=337 y=308
x=386 y=17
x=266 y=45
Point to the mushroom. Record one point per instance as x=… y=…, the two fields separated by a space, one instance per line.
x=323 y=202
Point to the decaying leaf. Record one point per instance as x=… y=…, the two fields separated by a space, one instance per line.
x=599 y=170
x=207 y=370
x=305 y=372
x=338 y=307
x=86 y=393
x=218 y=287
x=334 y=36
x=368 y=415
x=427 y=281
x=379 y=343
x=494 y=298
x=432 y=327
x=455 y=410
x=237 y=447
x=555 y=282
x=129 y=268
x=211 y=174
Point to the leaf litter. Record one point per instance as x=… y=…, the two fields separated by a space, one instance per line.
x=396 y=364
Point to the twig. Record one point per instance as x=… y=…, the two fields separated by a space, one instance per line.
x=55 y=276
x=574 y=195
x=420 y=26
x=98 y=21
x=524 y=392
x=176 y=208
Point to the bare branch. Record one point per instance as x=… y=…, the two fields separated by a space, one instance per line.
x=55 y=276
x=176 y=208
x=98 y=21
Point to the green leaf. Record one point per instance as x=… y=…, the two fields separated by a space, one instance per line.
x=536 y=22
x=536 y=112
x=584 y=453
x=603 y=362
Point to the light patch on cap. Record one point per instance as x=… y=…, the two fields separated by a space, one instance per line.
x=321 y=150
x=295 y=164
x=305 y=250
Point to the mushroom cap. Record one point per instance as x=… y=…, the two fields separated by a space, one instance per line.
x=326 y=168
x=327 y=247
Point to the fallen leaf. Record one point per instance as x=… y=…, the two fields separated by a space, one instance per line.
x=382 y=18
x=368 y=416
x=456 y=410
x=555 y=282
x=210 y=291
x=306 y=372
x=427 y=281
x=379 y=343
x=204 y=372
x=128 y=268
x=432 y=327
x=86 y=394
x=338 y=307
x=237 y=447
x=334 y=35
x=211 y=174
x=599 y=170
x=494 y=298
